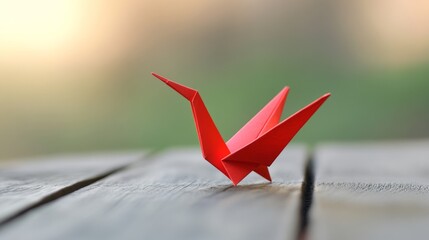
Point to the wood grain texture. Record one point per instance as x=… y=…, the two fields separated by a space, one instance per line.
x=177 y=195
x=371 y=191
x=29 y=182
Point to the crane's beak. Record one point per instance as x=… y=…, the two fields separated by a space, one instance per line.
x=186 y=92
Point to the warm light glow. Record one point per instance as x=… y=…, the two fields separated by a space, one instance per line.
x=37 y=28
x=61 y=36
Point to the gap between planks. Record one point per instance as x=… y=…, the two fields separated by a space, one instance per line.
x=307 y=191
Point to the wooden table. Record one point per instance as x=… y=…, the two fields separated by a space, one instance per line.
x=338 y=191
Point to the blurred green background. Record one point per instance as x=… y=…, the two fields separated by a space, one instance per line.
x=75 y=74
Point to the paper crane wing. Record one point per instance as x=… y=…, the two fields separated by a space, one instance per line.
x=264 y=120
x=265 y=149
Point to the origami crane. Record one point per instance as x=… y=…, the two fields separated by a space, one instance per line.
x=255 y=146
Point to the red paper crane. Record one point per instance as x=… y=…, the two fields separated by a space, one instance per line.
x=255 y=146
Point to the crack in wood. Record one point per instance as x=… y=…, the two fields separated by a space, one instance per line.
x=59 y=194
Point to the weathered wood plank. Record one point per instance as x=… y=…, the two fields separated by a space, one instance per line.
x=29 y=182
x=177 y=196
x=371 y=191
